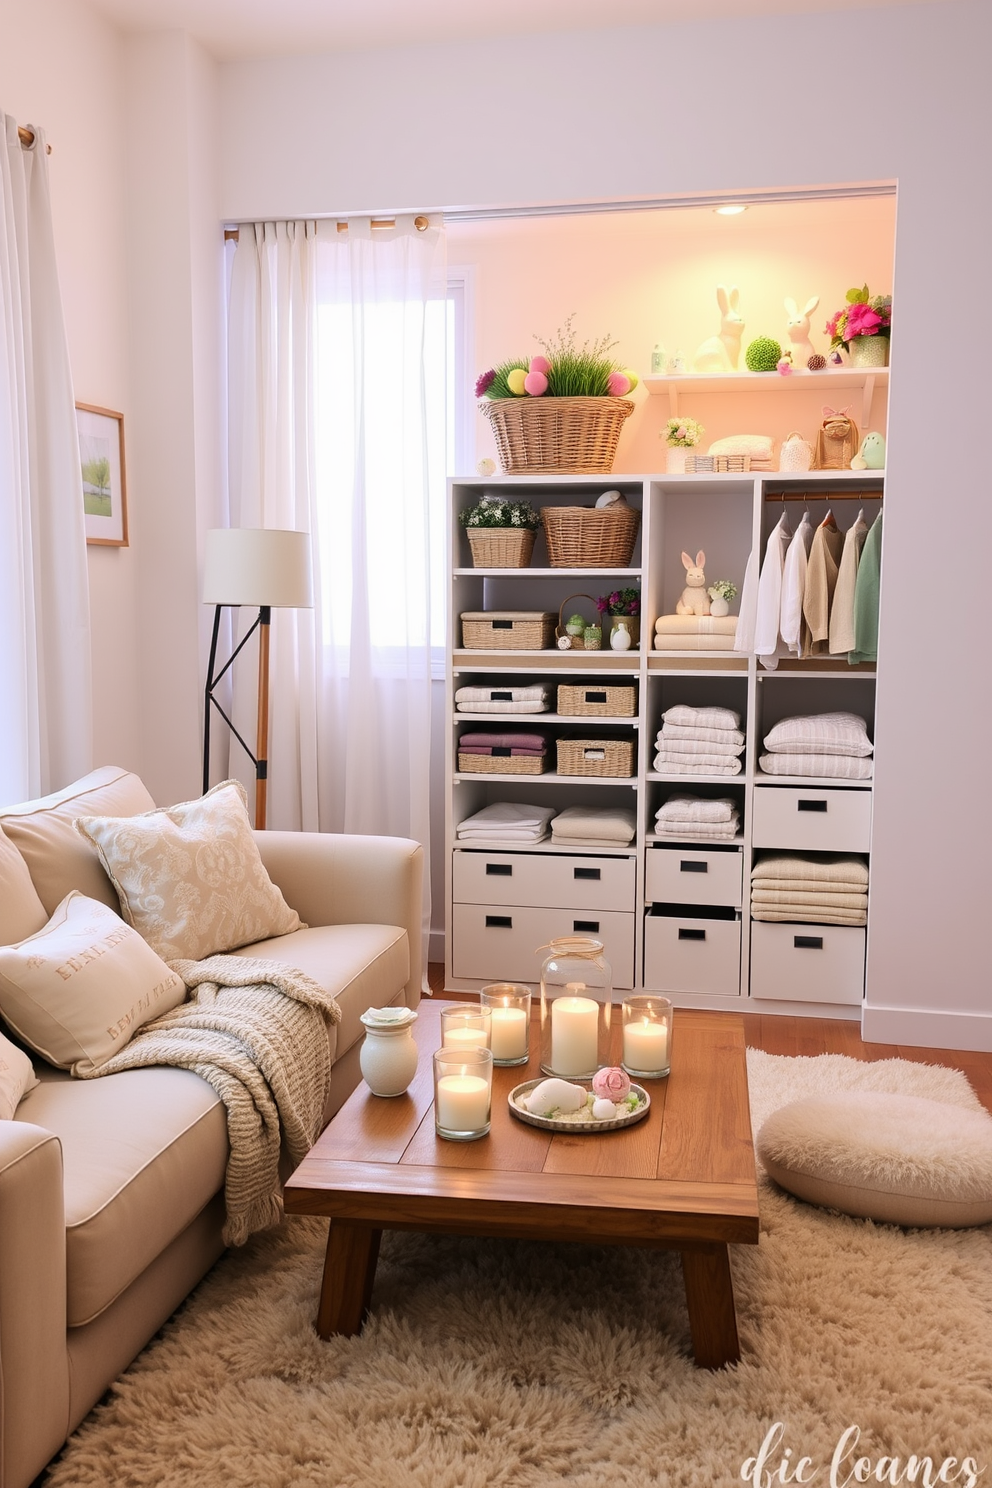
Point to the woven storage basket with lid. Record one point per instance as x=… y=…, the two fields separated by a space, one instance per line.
x=537 y=435
x=507 y=630
x=589 y=536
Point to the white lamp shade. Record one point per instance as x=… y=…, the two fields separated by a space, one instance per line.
x=258 y=566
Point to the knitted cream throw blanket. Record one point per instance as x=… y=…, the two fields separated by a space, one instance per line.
x=256 y=1032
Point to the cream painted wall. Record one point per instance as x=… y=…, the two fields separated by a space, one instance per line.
x=61 y=66
x=451 y=125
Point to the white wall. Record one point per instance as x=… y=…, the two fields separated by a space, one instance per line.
x=61 y=66
x=699 y=108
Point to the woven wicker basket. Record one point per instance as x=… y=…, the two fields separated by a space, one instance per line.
x=508 y=630
x=596 y=757
x=590 y=537
x=576 y=642
x=597 y=701
x=501 y=764
x=537 y=435
x=720 y=464
x=500 y=547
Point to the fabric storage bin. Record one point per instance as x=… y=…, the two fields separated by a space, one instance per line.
x=690 y=875
x=597 y=701
x=816 y=820
x=508 y=630
x=556 y=881
x=499 y=943
x=689 y=953
x=601 y=757
x=501 y=764
x=793 y=962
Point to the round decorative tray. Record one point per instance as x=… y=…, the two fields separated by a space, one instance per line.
x=575 y=1122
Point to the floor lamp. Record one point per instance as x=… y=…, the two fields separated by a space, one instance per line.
x=260 y=566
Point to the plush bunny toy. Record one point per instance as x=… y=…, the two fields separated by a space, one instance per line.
x=695 y=600
x=797 y=330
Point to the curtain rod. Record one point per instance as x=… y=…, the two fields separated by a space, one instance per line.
x=26 y=137
x=823 y=496
x=232 y=234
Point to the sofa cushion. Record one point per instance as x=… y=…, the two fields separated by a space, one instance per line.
x=17 y=1076
x=21 y=911
x=362 y=966
x=143 y=1152
x=79 y=989
x=190 y=877
x=58 y=859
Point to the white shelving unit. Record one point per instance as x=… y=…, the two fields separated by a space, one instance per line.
x=674 y=914
x=840 y=379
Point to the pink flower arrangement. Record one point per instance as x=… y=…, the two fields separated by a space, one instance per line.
x=863 y=315
x=611 y=1084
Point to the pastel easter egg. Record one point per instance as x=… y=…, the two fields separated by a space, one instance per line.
x=536 y=384
x=631 y=377
x=604 y=1110
x=785 y=367
x=516 y=382
x=540 y=364
x=618 y=384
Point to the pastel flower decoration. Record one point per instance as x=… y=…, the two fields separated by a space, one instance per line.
x=484 y=381
x=784 y=366
x=611 y=1084
x=540 y=364
x=535 y=383
x=862 y=320
x=618 y=384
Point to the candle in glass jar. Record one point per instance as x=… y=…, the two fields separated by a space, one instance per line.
x=462 y=1102
x=509 y=1033
x=645 y=1046
x=574 y=1034
x=465 y=1038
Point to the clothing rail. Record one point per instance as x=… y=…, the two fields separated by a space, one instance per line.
x=830 y=496
x=232 y=234
x=26 y=137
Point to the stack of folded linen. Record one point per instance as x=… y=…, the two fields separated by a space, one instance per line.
x=593 y=826
x=502 y=699
x=699 y=741
x=683 y=815
x=823 y=888
x=506 y=821
x=530 y=749
x=695 y=632
x=835 y=745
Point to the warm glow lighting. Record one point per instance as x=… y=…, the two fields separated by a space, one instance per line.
x=729 y=211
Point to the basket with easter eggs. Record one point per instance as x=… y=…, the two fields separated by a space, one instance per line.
x=559 y=411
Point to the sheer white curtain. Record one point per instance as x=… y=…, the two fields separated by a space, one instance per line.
x=335 y=400
x=45 y=700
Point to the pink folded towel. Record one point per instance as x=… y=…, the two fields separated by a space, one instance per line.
x=481 y=739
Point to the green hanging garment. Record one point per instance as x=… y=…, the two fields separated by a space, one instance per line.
x=866 y=597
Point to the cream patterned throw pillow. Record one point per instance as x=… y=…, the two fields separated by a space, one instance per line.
x=190 y=877
x=79 y=989
x=17 y=1077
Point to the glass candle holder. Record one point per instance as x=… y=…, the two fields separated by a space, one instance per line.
x=509 y=1005
x=576 y=1005
x=647 y=1037
x=466 y=1027
x=463 y=1091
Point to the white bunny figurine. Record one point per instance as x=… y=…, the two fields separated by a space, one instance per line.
x=695 y=600
x=722 y=353
x=798 y=330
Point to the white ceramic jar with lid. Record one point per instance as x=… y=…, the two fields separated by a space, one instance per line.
x=388 y=1056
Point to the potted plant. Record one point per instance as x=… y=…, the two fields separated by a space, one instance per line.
x=623 y=607
x=500 y=533
x=681 y=435
x=721 y=593
x=560 y=410
x=863 y=328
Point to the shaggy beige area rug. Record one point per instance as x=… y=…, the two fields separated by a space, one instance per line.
x=866 y=1350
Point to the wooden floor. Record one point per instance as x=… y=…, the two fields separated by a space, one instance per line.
x=785 y=1035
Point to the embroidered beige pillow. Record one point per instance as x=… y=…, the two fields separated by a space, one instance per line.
x=190 y=877
x=17 y=1077
x=80 y=988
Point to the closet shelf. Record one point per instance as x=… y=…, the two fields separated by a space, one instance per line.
x=529 y=661
x=538 y=720
x=550 y=777
x=675 y=777
x=844 y=378
x=813 y=782
x=587 y=575
x=546 y=845
x=687 y=839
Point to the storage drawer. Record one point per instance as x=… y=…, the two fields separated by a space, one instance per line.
x=550 y=880
x=500 y=943
x=818 y=820
x=691 y=875
x=682 y=954
x=807 y=963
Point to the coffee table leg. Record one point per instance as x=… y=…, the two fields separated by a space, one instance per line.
x=709 y=1294
x=349 y=1275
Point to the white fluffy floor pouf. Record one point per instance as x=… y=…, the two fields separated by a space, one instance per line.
x=901 y=1159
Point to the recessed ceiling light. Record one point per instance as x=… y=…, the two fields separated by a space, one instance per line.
x=729 y=211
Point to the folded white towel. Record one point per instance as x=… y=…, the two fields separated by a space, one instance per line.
x=501 y=707
x=703 y=831
x=693 y=643
x=682 y=745
x=666 y=762
x=701 y=732
x=826 y=766
x=714 y=718
x=820 y=868
x=510 y=834
x=600 y=823
x=683 y=807
x=507 y=814
x=724 y=625
x=820 y=733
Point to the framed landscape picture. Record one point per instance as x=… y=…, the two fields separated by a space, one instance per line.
x=101 y=456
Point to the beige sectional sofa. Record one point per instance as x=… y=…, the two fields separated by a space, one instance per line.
x=111 y=1190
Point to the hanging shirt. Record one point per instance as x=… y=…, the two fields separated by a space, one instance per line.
x=821 y=580
x=866 y=597
x=766 y=646
x=841 y=636
x=744 y=634
x=794 y=585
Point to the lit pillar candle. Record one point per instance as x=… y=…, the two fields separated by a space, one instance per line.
x=462 y=1102
x=645 y=1046
x=465 y=1038
x=574 y=1035
x=509 y=1036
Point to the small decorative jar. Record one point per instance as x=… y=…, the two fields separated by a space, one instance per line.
x=869 y=351
x=647 y=1036
x=388 y=1056
x=796 y=453
x=719 y=606
x=675 y=458
x=593 y=637
x=509 y=1004
x=625 y=631
x=576 y=1004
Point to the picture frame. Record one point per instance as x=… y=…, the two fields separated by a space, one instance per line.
x=101 y=458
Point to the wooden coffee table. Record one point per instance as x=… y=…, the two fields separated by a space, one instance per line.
x=681 y=1179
